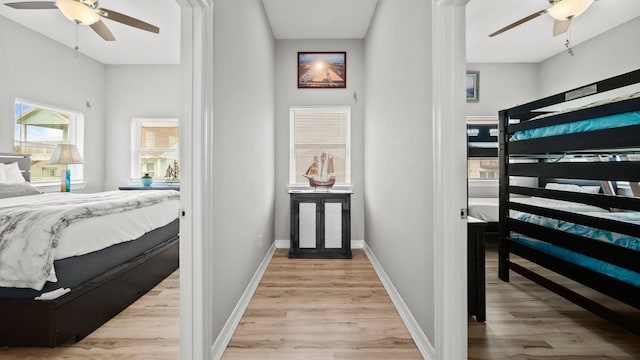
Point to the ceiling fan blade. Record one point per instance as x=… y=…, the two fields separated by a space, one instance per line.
x=32 y=5
x=560 y=27
x=101 y=29
x=127 y=20
x=519 y=22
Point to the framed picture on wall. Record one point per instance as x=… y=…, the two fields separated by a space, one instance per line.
x=322 y=70
x=473 y=81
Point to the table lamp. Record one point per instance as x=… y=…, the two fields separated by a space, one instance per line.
x=66 y=154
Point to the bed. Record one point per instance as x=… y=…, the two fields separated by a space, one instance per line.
x=575 y=222
x=65 y=272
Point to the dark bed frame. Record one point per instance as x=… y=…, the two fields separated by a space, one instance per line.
x=76 y=314
x=617 y=141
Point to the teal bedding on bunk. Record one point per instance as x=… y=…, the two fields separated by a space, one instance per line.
x=600 y=123
x=628 y=276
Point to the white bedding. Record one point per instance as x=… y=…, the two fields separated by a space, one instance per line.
x=487 y=208
x=94 y=222
x=558 y=204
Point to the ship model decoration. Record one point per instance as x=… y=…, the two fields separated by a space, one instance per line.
x=320 y=173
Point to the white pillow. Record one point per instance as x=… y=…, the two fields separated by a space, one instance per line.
x=573 y=187
x=3 y=179
x=12 y=174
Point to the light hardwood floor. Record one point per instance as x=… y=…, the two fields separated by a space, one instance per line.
x=148 y=329
x=321 y=309
x=524 y=321
x=527 y=321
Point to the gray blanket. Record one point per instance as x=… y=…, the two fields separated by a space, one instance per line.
x=29 y=233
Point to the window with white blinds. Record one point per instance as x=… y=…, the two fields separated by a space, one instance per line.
x=318 y=130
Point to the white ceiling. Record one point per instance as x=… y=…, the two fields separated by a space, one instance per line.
x=326 y=19
x=329 y=19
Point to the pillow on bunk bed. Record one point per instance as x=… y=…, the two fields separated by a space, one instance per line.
x=15 y=190
x=12 y=174
x=573 y=187
x=3 y=178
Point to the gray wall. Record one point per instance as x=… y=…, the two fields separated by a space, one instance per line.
x=612 y=53
x=398 y=141
x=288 y=94
x=243 y=150
x=134 y=91
x=34 y=67
x=503 y=86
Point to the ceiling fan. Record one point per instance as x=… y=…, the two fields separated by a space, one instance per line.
x=86 y=12
x=563 y=11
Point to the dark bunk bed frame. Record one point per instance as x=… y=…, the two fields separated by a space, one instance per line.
x=75 y=315
x=614 y=140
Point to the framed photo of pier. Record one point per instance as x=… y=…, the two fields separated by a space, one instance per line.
x=322 y=70
x=473 y=81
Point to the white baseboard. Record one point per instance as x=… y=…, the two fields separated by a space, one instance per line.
x=284 y=244
x=218 y=348
x=422 y=342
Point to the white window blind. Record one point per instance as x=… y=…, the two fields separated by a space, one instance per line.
x=317 y=130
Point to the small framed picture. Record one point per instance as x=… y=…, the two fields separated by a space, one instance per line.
x=322 y=70
x=473 y=81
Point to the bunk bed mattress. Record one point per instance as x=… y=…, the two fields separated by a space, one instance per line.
x=600 y=123
x=614 y=271
x=37 y=230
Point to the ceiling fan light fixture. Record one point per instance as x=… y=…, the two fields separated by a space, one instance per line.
x=569 y=9
x=77 y=12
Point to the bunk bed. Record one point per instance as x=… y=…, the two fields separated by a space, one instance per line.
x=482 y=147
x=92 y=286
x=567 y=223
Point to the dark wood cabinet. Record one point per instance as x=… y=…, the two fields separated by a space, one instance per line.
x=475 y=268
x=320 y=224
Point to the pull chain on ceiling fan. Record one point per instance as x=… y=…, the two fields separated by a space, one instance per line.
x=562 y=11
x=86 y=12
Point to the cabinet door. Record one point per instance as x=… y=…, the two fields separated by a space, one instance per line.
x=333 y=225
x=307 y=225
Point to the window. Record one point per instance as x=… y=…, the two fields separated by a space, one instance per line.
x=318 y=130
x=38 y=129
x=155 y=148
x=482 y=168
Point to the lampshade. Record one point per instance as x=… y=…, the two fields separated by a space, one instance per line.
x=569 y=9
x=66 y=154
x=77 y=12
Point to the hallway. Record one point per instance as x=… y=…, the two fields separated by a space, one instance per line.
x=321 y=309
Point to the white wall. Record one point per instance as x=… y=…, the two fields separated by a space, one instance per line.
x=134 y=91
x=398 y=143
x=242 y=142
x=612 y=53
x=288 y=94
x=36 y=68
x=503 y=85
